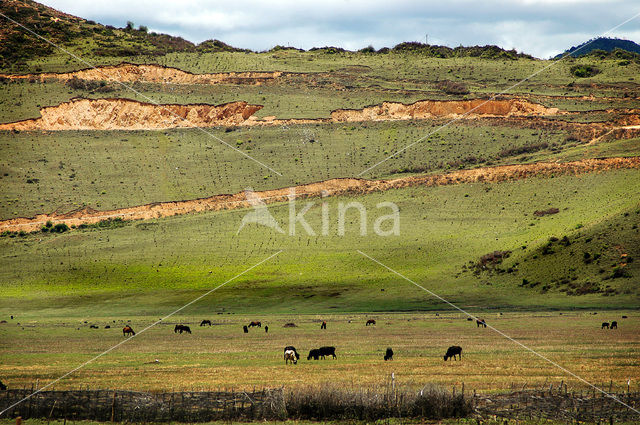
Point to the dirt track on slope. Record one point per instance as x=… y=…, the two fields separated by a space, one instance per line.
x=125 y=114
x=129 y=73
x=332 y=187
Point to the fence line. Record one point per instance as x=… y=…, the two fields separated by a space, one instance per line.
x=552 y=402
x=132 y=406
x=558 y=403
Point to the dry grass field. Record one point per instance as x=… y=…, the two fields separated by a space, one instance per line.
x=222 y=356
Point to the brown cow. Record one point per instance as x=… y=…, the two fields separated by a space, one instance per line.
x=127 y=330
x=370 y=322
x=258 y=324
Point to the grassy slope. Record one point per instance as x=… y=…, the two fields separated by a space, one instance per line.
x=168 y=261
x=118 y=169
x=186 y=164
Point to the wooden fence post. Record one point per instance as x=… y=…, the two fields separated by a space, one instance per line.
x=113 y=407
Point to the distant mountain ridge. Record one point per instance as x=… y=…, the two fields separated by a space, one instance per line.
x=601 y=43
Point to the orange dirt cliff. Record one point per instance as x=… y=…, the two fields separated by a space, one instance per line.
x=126 y=114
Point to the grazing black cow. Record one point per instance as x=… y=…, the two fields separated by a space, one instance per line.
x=292 y=348
x=453 y=351
x=323 y=325
x=605 y=325
x=127 y=330
x=469 y=319
x=245 y=329
x=205 y=322
x=614 y=325
x=182 y=328
x=108 y=327
x=327 y=351
x=258 y=324
x=480 y=322
x=370 y=322
x=93 y=327
x=389 y=354
x=315 y=354
x=624 y=317
x=266 y=329
x=3 y=387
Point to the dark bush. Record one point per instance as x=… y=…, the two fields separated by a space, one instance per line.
x=59 y=228
x=452 y=87
x=490 y=260
x=522 y=149
x=541 y=213
x=368 y=49
x=620 y=272
x=584 y=71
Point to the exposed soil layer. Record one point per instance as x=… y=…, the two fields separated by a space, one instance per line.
x=129 y=73
x=331 y=187
x=437 y=109
x=125 y=114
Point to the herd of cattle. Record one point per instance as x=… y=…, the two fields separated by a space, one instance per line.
x=292 y=356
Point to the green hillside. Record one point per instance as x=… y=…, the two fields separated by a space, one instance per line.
x=164 y=262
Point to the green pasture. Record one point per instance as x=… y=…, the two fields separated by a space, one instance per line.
x=222 y=356
x=158 y=263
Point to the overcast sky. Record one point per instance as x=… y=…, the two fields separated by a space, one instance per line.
x=539 y=27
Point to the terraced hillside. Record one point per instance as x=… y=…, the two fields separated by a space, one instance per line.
x=124 y=179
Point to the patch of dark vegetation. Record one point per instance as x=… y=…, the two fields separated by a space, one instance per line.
x=584 y=71
x=332 y=402
x=589 y=258
x=109 y=223
x=489 y=262
x=542 y=213
x=279 y=48
x=368 y=49
x=464 y=162
x=330 y=50
x=584 y=288
x=59 y=228
x=214 y=46
x=89 y=85
x=487 y=52
x=619 y=272
x=519 y=150
x=493 y=258
x=412 y=169
x=452 y=87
